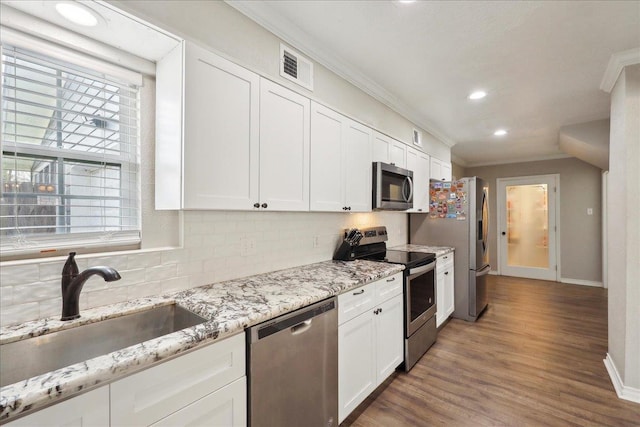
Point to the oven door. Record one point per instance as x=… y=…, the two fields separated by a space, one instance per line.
x=420 y=296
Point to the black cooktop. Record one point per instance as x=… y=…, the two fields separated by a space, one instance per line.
x=409 y=259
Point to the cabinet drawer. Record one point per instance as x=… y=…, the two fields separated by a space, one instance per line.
x=444 y=262
x=150 y=395
x=224 y=407
x=388 y=287
x=355 y=302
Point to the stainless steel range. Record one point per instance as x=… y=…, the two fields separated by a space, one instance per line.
x=419 y=290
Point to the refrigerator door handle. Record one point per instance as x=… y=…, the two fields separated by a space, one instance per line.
x=485 y=270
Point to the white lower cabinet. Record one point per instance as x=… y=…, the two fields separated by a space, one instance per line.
x=445 y=298
x=207 y=386
x=88 y=409
x=149 y=396
x=226 y=407
x=370 y=340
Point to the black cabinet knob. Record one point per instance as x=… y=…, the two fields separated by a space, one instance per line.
x=349 y=208
x=264 y=205
x=256 y=205
x=504 y=233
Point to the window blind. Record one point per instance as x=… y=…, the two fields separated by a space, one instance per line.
x=70 y=155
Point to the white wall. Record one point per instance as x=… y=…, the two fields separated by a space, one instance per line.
x=580 y=234
x=624 y=229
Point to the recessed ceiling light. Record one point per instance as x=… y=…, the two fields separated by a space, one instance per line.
x=500 y=132
x=406 y=1
x=479 y=94
x=77 y=13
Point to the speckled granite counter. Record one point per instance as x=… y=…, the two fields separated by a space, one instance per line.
x=438 y=250
x=231 y=306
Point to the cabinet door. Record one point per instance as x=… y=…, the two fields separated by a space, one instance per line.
x=284 y=148
x=449 y=290
x=356 y=363
x=356 y=161
x=389 y=337
x=440 y=170
x=440 y=295
x=418 y=162
x=446 y=171
x=89 y=409
x=398 y=154
x=224 y=407
x=221 y=133
x=380 y=148
x=153 y=394
x=327 y=179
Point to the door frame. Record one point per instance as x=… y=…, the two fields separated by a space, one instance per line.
x=501 y=206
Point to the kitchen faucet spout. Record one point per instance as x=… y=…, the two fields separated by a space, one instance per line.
x=72 y=283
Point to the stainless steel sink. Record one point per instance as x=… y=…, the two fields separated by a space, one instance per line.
x=34 y=356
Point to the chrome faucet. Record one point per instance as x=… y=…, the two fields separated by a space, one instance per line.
x=72 y=283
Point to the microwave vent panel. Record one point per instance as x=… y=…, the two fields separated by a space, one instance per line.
x=296 y=67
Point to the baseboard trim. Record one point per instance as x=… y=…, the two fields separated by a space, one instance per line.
x=627 y=393
x=494 y=272
x=580 y=282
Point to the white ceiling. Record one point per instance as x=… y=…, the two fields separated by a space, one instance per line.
x=541 y=63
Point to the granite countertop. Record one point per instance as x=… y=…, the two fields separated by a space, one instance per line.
x=230 y=307
x=438 y=250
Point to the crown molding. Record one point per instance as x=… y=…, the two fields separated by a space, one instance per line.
x=617 y=62
x=263 y=15
x=459 y=161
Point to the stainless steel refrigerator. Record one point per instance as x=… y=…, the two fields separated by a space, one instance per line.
x=459 y=217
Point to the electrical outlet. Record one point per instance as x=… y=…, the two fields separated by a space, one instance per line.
x=316 y=241
x=589 y=211
x=247 y=246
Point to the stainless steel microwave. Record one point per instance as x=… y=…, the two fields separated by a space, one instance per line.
x=392 y=187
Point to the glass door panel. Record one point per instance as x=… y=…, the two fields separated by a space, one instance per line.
x=528 y=225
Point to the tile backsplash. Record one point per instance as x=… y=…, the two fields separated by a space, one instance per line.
x=217 y=246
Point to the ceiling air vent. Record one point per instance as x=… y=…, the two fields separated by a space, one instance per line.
x=296 y=67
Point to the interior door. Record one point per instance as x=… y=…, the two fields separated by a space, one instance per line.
x=527 y=239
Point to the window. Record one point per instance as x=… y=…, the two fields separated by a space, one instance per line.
x=70 y=155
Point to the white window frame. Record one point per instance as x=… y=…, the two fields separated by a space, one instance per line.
x=10 y=248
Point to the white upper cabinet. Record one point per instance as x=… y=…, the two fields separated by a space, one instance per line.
x=207 y=132
x=284 y=148
x=440 y=170
x=418 y=162
x=389 y=150
x=356 y=154
x=221 y=133
x=227 y=139
x=340 y=162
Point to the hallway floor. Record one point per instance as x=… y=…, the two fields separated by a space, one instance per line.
x=534 y=358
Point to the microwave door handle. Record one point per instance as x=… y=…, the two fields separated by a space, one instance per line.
x=409 y=181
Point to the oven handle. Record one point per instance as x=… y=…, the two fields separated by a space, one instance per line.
x=423 y=269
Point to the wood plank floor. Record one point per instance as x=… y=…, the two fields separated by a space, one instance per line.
x=533 y=359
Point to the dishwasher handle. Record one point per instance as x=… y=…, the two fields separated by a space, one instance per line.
x=298 y=321
x=301 y=327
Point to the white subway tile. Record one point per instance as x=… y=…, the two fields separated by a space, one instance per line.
x=19 y=313
x=144 y=290
x=6 y=296
x=51 y=308
x=99 y=298
x=129 y=277
x=143 y=260
x=176 y=284
x=19 y=274
x=161 y=272
x=38 y=291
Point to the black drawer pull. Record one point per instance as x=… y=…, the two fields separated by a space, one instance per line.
x=360 y=292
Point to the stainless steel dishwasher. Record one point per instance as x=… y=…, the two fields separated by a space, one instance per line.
x=293 y=368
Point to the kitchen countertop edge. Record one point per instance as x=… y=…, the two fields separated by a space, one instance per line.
x=231 y=306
